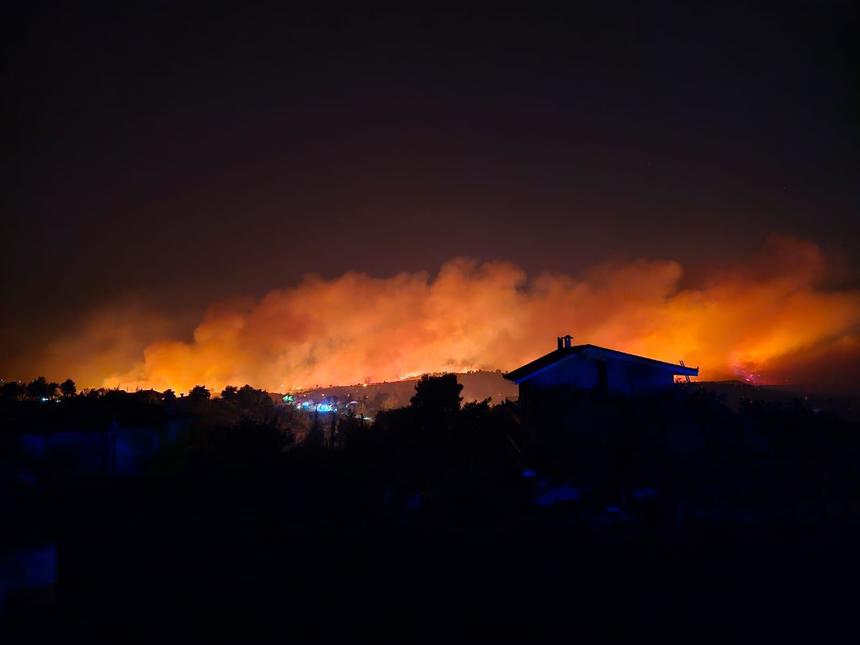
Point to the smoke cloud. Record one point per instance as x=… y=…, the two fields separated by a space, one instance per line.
x=773 y=320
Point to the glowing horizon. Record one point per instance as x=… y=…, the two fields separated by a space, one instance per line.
x=768 y=320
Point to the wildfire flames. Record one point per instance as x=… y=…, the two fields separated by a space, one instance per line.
x=771 y=320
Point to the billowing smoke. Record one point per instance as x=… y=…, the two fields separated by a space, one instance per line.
x=771 y=320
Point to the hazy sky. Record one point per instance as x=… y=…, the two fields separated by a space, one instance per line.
x=169 y=154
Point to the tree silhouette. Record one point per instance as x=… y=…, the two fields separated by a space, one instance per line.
x=168 y=396
x=229 y=393
x=249 y=398
x=13 y=390
x=437 y=396
x=41 y=389
x=68 y=388
x=315 y=438
x=199 y=393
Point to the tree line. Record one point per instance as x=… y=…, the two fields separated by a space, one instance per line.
x=39 y=389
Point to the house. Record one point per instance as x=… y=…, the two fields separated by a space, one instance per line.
x=589 y=367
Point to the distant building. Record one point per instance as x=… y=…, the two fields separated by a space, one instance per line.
x=589 y=367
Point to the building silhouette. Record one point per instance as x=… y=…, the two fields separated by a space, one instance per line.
x=589 y=367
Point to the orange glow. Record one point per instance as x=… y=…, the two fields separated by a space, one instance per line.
x=751 y=322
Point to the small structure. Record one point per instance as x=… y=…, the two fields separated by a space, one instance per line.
x=589 y=367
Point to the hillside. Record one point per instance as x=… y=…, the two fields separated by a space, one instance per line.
x=477 y=386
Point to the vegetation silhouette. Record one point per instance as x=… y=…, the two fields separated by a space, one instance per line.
x=672 y=510
x=68 y=388
x=40 y=388
x=198 y=394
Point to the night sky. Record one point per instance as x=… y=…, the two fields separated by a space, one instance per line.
x=175 y=154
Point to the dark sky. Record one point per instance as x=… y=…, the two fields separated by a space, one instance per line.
x=183 y=152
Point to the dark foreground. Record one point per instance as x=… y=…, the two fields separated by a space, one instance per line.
x=136 y=562
x=443 y=524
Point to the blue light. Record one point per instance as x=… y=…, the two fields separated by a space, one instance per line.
x=326 y=407
x=555 y=494
x=644 y=494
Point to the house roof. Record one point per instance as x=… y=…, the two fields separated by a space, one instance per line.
x=592 y=352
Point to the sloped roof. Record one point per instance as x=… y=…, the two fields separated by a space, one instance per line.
x=592 y=352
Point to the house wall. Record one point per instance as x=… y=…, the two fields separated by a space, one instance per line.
x=635 y=378
x=575 y=371
x=621 y=376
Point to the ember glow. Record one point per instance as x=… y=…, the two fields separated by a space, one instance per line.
x=757 y=322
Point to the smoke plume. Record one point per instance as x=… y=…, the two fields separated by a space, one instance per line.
x=772 y=320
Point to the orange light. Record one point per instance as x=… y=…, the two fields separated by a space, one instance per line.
x=758 y=321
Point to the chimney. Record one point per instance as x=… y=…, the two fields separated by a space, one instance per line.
x=568 y=340
x=559 y=342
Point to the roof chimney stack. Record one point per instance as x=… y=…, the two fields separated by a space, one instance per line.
x=560 y=345
x=565 y=342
